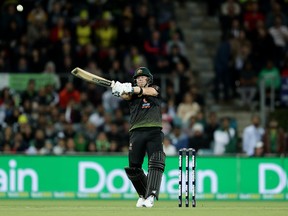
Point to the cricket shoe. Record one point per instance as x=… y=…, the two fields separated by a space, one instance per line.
x=149 y=202
x=140 y=202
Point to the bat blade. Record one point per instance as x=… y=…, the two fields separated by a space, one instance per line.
x=87 y=76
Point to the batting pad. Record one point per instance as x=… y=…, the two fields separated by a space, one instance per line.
x=138 y=179
x=155 y=172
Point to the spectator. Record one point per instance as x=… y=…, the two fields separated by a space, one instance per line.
x=187 y=108
x=230 y=5
x=212 y=125
x=6 y=98
x=199 y=140
x=175 y=56
x=36 y=63
x=274 y=138
x=9 y=16
x=60 y=144
x=115 y=135
x=252 y=135
x=50 y=132
x=55 y=12
x=67 y=94
x=110 y=103
x=102 y=142
x=176 y=41
x=259 y=150
x=106 y=34
x=154 y=48
x=70 y=146
x=260 y=53
x=37 y=143
x=80 y=142
x=252 y=15
x=235 y=29
x=111 y=55
x=47 y=148
x=115 y=72
x=22 y=65
x=83 y=30
x=19 y=145
x=270 y=74
x=37 y=19
x=225 y=138
x=275 y=12
x=279 y=33
x=171 y=29
x=165 y=11
x=284 y=69
x=127 y=34
x=168 y=148
x=90 y=132
x=178 y=138
x=141 y=21
x=166 y=123
x=87 y=54
x=230 y=11
x=57 y=30
x=91 y=147
x=197 y=95
x=27 y=133
x=248 y=84
x=222 y=71
x=13 y=32
x=133 y=60
x=241 y=52
x=50 y=69
x=65 y=50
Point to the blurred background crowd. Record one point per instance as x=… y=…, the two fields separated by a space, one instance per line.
x=113 y=38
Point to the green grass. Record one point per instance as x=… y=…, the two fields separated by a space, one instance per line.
x=127 y=208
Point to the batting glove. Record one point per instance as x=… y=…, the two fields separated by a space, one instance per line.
x=117 y=89
x=127 y=88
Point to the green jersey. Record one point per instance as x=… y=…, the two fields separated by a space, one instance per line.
x=145 y=111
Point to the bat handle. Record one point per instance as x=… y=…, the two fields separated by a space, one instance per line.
x=112 y=83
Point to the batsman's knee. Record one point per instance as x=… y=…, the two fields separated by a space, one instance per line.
x=157 y=161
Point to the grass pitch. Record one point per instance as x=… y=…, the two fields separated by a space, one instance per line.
x=127 y=208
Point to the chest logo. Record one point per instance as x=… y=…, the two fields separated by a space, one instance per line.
x=146 y=104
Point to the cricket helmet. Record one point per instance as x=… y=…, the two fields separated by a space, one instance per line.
x=143 y=71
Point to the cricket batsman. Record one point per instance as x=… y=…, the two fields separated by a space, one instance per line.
x=145 y=134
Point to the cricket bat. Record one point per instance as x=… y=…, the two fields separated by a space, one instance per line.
x=85 y=75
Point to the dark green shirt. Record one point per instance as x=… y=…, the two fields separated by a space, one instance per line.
x=145 y=111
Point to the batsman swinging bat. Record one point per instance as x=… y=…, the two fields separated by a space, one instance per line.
x=85 y=75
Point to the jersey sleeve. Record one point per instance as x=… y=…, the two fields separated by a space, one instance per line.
x=157 y=88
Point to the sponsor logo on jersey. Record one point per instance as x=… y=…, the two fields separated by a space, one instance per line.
x=146 y=104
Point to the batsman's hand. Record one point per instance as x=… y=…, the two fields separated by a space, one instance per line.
x=127 y=88
x=117 y=89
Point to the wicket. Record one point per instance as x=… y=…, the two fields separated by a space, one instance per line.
x=187 y=154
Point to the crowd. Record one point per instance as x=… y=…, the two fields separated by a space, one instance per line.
x=112 y=39
x=253 y=50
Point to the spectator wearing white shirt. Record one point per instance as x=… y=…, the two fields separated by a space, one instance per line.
x=252 y=136
x=279 y=33
x=225 y=138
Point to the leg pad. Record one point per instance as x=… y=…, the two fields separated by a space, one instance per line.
x=138 y=179
x=155 y=172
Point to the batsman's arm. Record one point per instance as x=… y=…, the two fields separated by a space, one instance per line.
x=149 y=91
